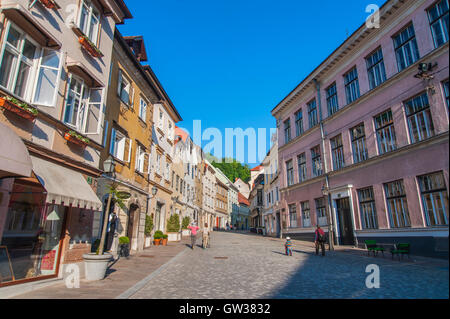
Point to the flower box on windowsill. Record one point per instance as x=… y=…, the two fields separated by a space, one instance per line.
x=20 y=108
x=90 y=47
x=49 y=4
x=75 y=138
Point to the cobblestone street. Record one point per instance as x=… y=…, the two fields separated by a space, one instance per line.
x=255 y=267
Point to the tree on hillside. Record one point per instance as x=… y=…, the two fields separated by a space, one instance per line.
x=233 y=169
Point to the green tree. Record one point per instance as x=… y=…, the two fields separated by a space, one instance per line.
x=173 y=224
x=233 y=169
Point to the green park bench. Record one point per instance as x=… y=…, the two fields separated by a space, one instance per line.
x=372 y=246
x=401 y=249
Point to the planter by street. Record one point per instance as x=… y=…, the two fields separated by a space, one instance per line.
x=174 y=237
x=164 y=240
x=96 y=265
x=186 y=233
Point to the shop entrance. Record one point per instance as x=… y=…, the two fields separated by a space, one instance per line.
x=132 y=224
x=30 y=246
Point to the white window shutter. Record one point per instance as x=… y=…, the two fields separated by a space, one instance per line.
x=129 y=151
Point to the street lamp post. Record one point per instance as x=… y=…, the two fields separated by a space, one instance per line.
x=326 y=193
x=109 y=168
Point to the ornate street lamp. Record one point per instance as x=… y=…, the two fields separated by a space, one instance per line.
x=154 y=191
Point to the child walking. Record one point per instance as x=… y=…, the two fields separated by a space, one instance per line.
x=288 y=246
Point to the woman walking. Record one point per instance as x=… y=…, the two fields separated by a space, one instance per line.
x=193 y=228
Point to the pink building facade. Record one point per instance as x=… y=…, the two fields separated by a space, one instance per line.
x=365 y=135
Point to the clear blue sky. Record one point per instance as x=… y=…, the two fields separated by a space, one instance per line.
x=229 y=62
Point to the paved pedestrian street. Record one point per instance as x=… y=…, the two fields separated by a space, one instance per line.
x=249 y=266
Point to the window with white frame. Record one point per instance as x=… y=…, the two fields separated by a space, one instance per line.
x=89 y=20
x=337 y=150
x=293 y=216
x=124 y=89
x=120 y=146
x=312 y=113
x=287 y=131
x=406 y=49
x=384 y=125
x=26 y=70
x=83 y=106
x=397 y=204
x=143 y=109
x=418 y=113
x=434 y=199
x=316 y=161
x=290 y=173
x=376 y=69
x=332 y=99
x=438 y=18
x=299 y=122
x=352 y=85
x=140 y=159
x=367 y=208
x=167 y=171
x=301 y=161
x=358 y=136
x=321 y=211
x=306 y=214
x=161 y=119
x=158 y=164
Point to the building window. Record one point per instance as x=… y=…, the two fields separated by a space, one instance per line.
x=290 y=173
x=306 y=214
x=375 y=69
x=358 y=137
x=125 y=90
x=438 y=17
x=352 y=85
x=332 y=100
x=89 y=20
x=293 y=216
x=316 y=161
x=367 y=208
x=287 y=131
x=337 y=149
x=445 y=86
x=384 y=126
x=301 y=159
x=397 y=204
x=21 y=60
x=178 y=183
x=143 y=110
x=140 y=159
x=158 y=164
x=434 y=199
x=418 y=114
x=120 y=146
x=312 y=113
x=321 y=212
x=299 y=123
x=406 y=48
x=278 y=195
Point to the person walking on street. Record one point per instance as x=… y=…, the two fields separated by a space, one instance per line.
x=193 y=228
x=319 y=240
x=288 y=246
x=205 y=236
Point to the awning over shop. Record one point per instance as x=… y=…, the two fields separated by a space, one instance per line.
x=65 y=186
x=14 y=158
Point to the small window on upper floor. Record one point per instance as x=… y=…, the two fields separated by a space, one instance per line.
x=352 y=85
x=89 y=20
x=143 y=110
x=406 y=49
x=376 y=69
x=125 y=89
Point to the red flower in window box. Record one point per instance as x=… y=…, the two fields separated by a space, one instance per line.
x=49 y=4
x=75 y=138
x=90 y=47
x=19 y=108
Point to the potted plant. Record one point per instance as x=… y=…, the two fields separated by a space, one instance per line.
x=20 y=108
x=184 y=226
x=173 y=228
x=157 y=237
x=148 y=230
x=89 y=46
x=164 y=239
x=124 y=246
x=97 y=263
x=76 y=138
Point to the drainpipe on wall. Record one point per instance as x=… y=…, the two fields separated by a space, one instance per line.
x=327 y=179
